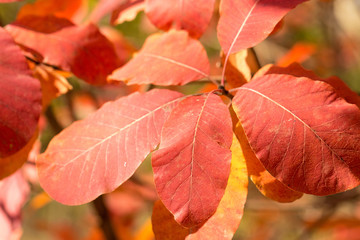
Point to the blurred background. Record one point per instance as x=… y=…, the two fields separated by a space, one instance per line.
x=322 y=35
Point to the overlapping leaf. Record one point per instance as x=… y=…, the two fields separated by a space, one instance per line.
x=225 y=221
x=96 y=155
x=53 y=84
x=303 y=133
x=267 y=184
x=78 y=49
x=171 y=58
x=191 y=15
x=245 y=23
x=20 y=98
x=237 y=70
x=195 y=145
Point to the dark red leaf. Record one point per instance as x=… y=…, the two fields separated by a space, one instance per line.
x=245 y=23
x=195 y=146
x=303 y=133
x=171 y=58
x=20 y=98
x=79 y=49
x=191 y=15
x=96 y=155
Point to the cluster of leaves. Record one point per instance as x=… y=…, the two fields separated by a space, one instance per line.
x=291 y=131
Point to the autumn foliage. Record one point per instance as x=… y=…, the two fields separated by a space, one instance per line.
x=288 y=130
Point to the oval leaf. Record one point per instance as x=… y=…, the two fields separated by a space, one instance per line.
x=172 y=58
x=303 y=133
x=225 y=221
x=195 y=144
x=20 y=98
x=245 y=23
x=191 y=15
x=96 y=155
x=78 y=49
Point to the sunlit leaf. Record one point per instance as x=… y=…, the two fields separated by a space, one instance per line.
x=95 y=155
x=171 y=58
x=245 y=23
x=302 y=132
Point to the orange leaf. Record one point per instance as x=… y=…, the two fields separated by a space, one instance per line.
x=225 y=221
x=53 y=84
x=61 y=9
x=145 y=232
x=298 y=53
x=10 y=164
x=172 y=58
x=237 y=70
x=40 y=200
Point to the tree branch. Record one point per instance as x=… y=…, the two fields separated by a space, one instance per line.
x=103 y=213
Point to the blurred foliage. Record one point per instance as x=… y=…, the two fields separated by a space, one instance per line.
x=336 y=37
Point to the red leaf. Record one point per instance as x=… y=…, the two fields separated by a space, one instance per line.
x=171 y=58
x=14 y=192
x=191 y=15
x=96 y=155
x=127 y=12
x=245 y=23
x=20 y=98
x=78 y=49
x=225 y=221
x=303 y=133
x=296 y=70
x=195 y=144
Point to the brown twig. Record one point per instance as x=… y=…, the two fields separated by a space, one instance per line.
x=103 y=213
